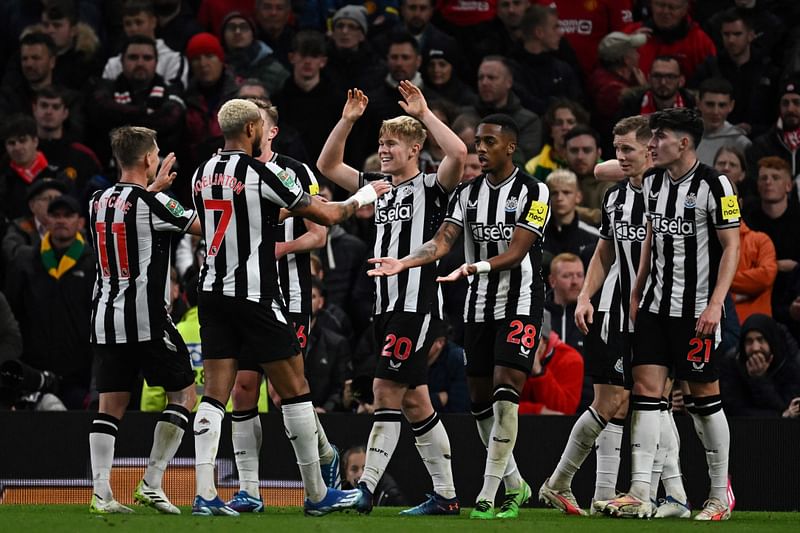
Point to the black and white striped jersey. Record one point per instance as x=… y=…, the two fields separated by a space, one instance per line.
x=132 y=230
x=406 y=217
x=238 y=200
x=623 y=221
x=685 y=214
x=488 y=215
x=294 y=270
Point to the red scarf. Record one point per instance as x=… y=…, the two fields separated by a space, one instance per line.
x=29 y=174
x=791 y=138
x=649 y=103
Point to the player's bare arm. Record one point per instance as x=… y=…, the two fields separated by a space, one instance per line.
x=521 y=242
x=331 y=158
x=330 y=213
x=599 y=266
x=314 y=237
x=455 y=152
x=712 y=314
x=609 y=171
x=428 y=252
x=642 y=273
x=195 y=228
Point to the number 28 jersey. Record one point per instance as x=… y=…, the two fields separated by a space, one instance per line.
x=131 y=231
x=489 y=214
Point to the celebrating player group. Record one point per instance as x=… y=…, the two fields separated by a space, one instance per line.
x=651 y=306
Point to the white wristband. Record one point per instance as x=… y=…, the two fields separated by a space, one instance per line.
x=483 y=267
x=365 y=195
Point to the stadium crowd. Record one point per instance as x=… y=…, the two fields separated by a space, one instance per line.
x=565 y=71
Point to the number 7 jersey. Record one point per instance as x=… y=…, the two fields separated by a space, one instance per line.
x=132 y=232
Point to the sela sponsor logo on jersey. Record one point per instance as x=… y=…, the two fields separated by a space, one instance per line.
x=579 y=26
x=394 y=213
x=625 y=231
x=489 y=233
x=673 y=226
x=730 y=208
x=511 y=204
x=537 y=214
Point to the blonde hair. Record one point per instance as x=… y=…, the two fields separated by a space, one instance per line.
x=235 y=114
x=130 y=143
x=407 y=128
x=562 y=176
x=372 y=163
x=565 y=257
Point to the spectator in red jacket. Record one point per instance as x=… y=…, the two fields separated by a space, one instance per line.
x=554 y=386
x=672 y=32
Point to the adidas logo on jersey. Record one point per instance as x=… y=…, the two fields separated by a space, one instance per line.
x=396 y=213
x=625 y=231
x=673 y=226
x=496 y=232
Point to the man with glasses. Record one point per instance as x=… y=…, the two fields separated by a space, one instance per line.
x=664 y=90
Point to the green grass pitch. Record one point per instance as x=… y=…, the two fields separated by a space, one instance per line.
x=76 y=518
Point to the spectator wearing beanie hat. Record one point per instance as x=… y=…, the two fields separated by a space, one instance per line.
x=783 y=138
x=211 y=85
x=351 y=60
x=249 y=57
x=440 y=75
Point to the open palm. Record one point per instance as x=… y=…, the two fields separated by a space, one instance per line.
x=414 y=104
x=356 y=105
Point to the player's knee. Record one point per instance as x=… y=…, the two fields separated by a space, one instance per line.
x=244 y=397
x=187 y=398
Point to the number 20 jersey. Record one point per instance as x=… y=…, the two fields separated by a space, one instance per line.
x=132 y=232
x=489 y=214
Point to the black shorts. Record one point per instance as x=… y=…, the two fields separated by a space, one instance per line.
x=301 y=323
x=244 y=330
x=673 y=342
x=164 y=362
x=509 y=342
x=403 y=340
x=607 y=351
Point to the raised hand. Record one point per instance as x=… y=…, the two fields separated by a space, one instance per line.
x=165 y=176
x=355 y=106
x=384 y=266
x=414 y=104
x=381 y=187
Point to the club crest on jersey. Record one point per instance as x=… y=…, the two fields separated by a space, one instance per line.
x=691 y=201
x=511 y=204
x=175 y=208
x=730 y=208
x=404 y=192
x=286 y=178
x=537 y=214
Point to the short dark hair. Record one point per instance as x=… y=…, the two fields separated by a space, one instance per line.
x=582 y=129
x=51 y=92
x=62 y=9
x=716 y=86
x=139 y=39
x=549 y=118
x=502 y=60
x=733 y=14
x=130 y=143
x=403 y=37
x=668 y=59
x=134 y=7
x=309 y=43
x=507 y=124
x=19 y=125
x=679 y=119
x=34 y=38
x=637 y=123
x=535 y=16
